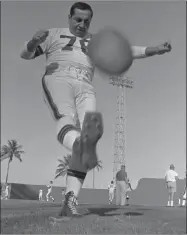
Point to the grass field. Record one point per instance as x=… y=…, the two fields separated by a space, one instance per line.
x=32 y=217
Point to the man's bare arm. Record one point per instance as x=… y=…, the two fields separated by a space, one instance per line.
x=144 y=52
x=177 y=177
x=32 y=49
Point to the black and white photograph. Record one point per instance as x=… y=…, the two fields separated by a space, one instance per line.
x=93 y=117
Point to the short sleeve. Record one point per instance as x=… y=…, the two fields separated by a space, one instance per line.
x=44 y=47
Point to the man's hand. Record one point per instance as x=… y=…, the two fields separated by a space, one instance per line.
x=164 y=48
x=40 y=37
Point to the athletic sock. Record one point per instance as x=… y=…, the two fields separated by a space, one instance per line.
x=183 y=202
x=70 y=138
x=74 y=181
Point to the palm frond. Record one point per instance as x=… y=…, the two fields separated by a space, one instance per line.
x=63 y=166
x=60 y=165
x=60 y=172
x=99 y=165
x=13 y=144
x=6 y=153
x=58 y=175
x=10 y=150
x=5 y=156
x=4 y=149
x=18 y=156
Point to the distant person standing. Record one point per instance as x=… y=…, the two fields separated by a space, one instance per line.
x=63 y=194
x=49 y=192
x=128 y=187
x=182 y=200
x=122 y=185
x=184 y=197
x=6 y=192
x=127 y=199
x=40 y=195
x=111 y=190
x=170 y=177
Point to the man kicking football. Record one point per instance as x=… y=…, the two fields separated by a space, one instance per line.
x=68 y=89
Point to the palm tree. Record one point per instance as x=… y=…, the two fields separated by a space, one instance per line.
x=98 y=167
x=63 y=166
x=9 y=151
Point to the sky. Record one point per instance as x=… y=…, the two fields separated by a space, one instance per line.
x=155 y=109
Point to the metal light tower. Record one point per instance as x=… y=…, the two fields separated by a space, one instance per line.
x=119 y=136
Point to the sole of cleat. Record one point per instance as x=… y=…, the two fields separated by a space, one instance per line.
x=92 y=131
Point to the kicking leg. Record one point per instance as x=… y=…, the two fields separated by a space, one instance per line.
x=83 y=157
x=83 y=144
x=91 y=124
x=61 y=96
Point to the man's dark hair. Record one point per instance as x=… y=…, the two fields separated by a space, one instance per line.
x=80 y=6
x=172 y=167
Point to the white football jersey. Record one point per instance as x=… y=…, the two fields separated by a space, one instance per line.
x=111 y=187
x=170 y=176
x=49 y=187
x=62 y=48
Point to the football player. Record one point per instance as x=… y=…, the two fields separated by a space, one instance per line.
x=68 y=89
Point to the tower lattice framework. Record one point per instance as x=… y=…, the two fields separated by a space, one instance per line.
x=119 y=133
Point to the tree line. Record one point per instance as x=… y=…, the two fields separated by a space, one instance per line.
x=13 y=150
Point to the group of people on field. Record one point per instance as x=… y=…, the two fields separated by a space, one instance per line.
x=171 y=178
x=120 y=188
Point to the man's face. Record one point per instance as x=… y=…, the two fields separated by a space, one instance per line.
x=79 y=22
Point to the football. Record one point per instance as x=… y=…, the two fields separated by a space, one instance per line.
x=110 y=51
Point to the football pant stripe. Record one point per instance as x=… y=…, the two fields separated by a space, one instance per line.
x=49 y=98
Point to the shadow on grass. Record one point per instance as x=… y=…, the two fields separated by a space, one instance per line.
x=144 y=209
x=133 y=214
x=105 y=212
x=101 y=211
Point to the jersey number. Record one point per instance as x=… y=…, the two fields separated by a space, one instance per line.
x=69 y=46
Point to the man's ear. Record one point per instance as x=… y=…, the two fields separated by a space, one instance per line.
x=69 y=16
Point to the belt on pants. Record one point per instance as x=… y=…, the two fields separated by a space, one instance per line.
x=81 y=74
